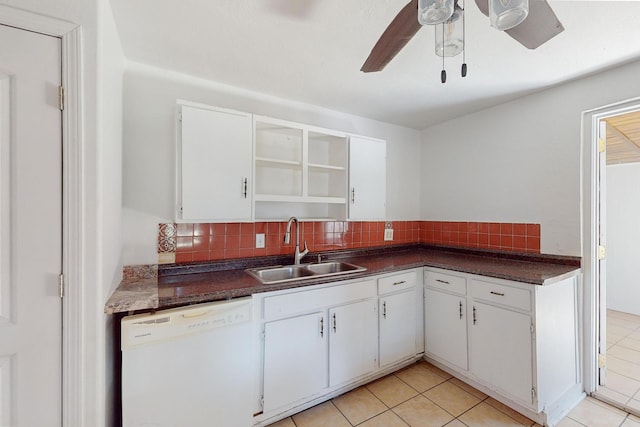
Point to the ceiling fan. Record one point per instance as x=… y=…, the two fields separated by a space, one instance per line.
x=530 y=22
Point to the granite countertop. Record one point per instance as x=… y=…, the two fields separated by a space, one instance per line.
x=196 y=283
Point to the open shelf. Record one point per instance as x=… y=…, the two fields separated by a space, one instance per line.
x=327 y=167
x=299 y=171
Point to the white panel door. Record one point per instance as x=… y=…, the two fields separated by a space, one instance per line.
x=215 y=164
x=353 y=344
x=295 y=359
x=367 y=178
x=30 y=229
x=397 y=314
x=445 y=327
x=500 y=350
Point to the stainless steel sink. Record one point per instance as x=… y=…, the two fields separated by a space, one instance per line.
x=326 y=268
x=279 y=274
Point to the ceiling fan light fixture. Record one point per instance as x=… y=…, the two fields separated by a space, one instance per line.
x=449 y=36
x=506 y=14
x=433 y=12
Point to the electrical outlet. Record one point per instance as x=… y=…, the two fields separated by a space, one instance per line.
x=388 y=234
x=260 y=241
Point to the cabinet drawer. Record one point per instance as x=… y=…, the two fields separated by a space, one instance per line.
x=304 y=301
x=446 y=282
x=397 y=282
x=501 y=294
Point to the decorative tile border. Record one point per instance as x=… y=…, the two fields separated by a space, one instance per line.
x=220 y=241
x=166 y=238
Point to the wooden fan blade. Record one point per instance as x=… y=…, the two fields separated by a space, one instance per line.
x=403 y=27
x=541 y=24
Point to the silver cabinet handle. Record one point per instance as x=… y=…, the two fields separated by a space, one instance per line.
x=399 y=283
x=443 y=281
x=245 y=183
x=353 y=194
x=474 y=314
x=384 y=310
x=334 y=322
x=500 y=294
x=460 y=308
x=322 y=327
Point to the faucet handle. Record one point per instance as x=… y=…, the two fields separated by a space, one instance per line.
x=305 y=251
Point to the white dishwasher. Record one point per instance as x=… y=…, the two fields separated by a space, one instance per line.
x=191 y=366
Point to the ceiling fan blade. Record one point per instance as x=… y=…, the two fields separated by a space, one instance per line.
x=541 y=24
x=403 y=27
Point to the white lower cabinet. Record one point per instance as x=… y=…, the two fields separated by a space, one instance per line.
x=295 y=359
x=323 y=340
x=352 y=341
x=516 y=341
x=500 y=350
x=305 y=354
x=445 y=326
x=397 y=317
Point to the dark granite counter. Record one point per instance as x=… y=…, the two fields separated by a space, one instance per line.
x=196 y=283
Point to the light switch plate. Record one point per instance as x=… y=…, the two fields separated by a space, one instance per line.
x=388 y=234
x=259 y=240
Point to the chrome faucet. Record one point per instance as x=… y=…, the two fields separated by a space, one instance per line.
x=297 y=255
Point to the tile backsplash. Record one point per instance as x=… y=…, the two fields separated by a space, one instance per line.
x=188 y=242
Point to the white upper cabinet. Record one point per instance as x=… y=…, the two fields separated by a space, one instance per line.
x=235 y=166
x=214 y=164
x=367 y=178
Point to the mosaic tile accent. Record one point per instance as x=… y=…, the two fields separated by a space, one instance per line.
x=167 y=233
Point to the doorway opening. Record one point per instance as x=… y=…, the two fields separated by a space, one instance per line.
x=611 y=196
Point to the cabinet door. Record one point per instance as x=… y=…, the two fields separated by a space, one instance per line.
x=295 y=359
x=353 y=344
x=500 y=349
x=445 y=327
x=367 y=178
x=214 y=165
x=397 y=315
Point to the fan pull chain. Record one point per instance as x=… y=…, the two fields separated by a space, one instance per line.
x=464 y=42
x=443 y=73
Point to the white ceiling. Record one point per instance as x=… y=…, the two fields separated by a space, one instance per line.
x=312 y=50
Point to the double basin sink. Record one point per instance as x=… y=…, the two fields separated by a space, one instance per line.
x=287 y=273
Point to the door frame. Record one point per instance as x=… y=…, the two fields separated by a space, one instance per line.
x=593 y=296
x=74 y=354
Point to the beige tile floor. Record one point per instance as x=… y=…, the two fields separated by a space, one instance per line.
x=422 y=395
x=623 y=361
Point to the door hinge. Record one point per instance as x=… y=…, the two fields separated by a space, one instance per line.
x=532 y=328
x=533 y=395
x=602 y=361
x=61 y=285
x=61 y=98
x=602 y=252
x=180 y=116
x=602 y=145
